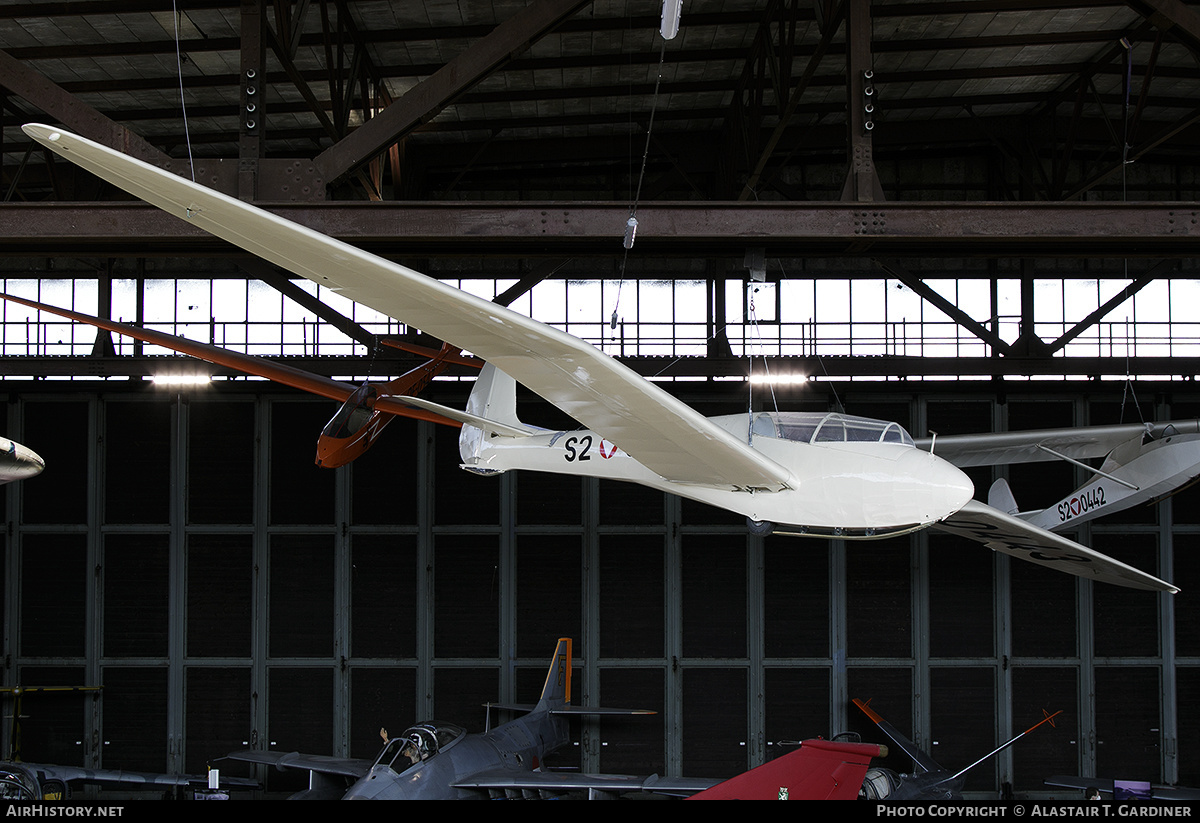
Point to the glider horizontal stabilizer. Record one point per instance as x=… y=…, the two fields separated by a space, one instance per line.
x=404 y=404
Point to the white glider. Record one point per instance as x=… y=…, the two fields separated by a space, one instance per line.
x=820 y=475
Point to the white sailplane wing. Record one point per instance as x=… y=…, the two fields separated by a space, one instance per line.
x=661 y=432
x=1000 y=448
x=1004 y=533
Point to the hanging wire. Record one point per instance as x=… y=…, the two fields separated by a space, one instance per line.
x=1129 y=390
x=836 y=399
x=756 y=335
x=182 y=102
x=631 y=223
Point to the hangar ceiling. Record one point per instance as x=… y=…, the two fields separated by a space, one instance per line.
x=909 y=140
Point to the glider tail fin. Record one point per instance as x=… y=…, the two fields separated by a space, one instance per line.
x=494 y=398
x=1000 y=497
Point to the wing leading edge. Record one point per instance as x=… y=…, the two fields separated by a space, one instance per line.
x=1041 y=445
x=658 y=430
x=1004 y=533
x=322 y=764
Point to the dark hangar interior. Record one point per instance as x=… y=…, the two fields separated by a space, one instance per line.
x=963 y=216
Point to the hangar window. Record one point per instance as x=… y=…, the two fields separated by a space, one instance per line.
x=674 y=313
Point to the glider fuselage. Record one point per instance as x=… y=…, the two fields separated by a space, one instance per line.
x=1157 y=468
x=838 y=488
x=356 y=423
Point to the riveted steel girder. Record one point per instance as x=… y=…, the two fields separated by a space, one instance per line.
x=690 y=229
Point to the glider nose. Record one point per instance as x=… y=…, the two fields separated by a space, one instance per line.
x=950 y=488
x=30 y=460
x=335 y=452
x=18 y=462
x=327 y=453
x=926 y=489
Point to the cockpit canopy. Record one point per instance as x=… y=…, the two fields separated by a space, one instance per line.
x=828 y=427
x=352 y=415
x=417 y=744
x=17 y=784
x=878 y=784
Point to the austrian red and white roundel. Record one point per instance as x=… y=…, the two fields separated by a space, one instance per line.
x=1080 y=504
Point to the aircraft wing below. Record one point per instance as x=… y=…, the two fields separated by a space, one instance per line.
x=1080 y=443
x=570 y=710
x=818 y=770
x=504 y=779
x=323 y=764
x=76 y=774
x=1004 y=533
x=651 y=425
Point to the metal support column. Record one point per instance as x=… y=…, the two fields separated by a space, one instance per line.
x=862 y=181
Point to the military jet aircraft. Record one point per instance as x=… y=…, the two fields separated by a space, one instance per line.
x=442 y=761
x=824 y=475
x=929 y=781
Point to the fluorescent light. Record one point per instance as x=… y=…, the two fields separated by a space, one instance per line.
x=181 y=379
x=779 y=379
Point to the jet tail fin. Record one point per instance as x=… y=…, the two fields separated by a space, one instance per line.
x=923 y=761
x=557 y=689
x=556 y=692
